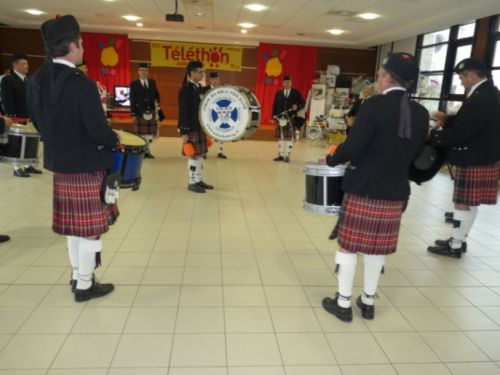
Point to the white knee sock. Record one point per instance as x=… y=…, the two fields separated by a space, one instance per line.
x=86 y=261
x=192 y=165
x=462 y=224
x=199 y=168
x=373 y=269
x=219 y=147
x=281 y=146
x=346 y=270
x=73 y=243
x=148 y=137
x=288 y=148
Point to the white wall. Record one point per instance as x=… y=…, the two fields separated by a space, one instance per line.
x=403 y=45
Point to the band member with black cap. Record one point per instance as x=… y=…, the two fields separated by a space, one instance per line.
x=472 y=141
x=65 y=108
x=144 y=98
x=13 y=92
x=291 y=101
x=193 y=136
x=214 y=81
x=389 y=132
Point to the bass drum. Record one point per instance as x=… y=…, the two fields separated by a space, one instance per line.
x=229 y=113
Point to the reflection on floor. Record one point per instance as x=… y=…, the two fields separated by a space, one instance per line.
x=230 y=282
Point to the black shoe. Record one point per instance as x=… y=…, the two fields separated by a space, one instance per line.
x=335 y=233
x=205 y=186
x=448 y=215
x=196 y=188
x=4 y=238
x=72 y=282
x=331 y=305
x=279 y=158
x=148 y=155
x=287 y=159
x=367 y=311
x=449 y=220
x=95 y=291
x=445 y=242
x=220 y=155
x=21 y=173
x=33 y=170
x=446 y=251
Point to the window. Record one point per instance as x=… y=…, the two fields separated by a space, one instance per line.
x=438 y=53
x=495 y=56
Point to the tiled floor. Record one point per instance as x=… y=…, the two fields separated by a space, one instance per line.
x=230 y=282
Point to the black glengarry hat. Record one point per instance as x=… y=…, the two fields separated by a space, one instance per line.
x=402 y=66
x=59 y=29
x=214 y=75
x=471 y=64
x=143 y=65
x=287 y=77
x=19 y=56
x=193 y=65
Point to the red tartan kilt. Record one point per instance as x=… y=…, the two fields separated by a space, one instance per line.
x=77 y=207
x=145 y=127
x=476 y=185
x=370 y=226
x=199 y=142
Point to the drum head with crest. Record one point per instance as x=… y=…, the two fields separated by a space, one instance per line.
x=229 y=113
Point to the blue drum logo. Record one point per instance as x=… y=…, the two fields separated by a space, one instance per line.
x=224 y=113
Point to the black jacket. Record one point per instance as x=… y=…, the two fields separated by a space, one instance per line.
x=474 y=136
x=143 y=100
x=13 y=93
x=189 y=104
x=282 y=104
x=66 y=109
x=379 y=160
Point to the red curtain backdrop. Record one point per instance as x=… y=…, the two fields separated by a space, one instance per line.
x=108 y=58
x=276 y=60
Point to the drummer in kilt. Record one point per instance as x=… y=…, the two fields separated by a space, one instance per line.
x=472 y=141
x=389 y=132
x=194 y=138
x=288 y=100
x=66 y=109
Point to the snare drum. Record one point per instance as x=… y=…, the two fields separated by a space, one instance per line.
x=323 y=188
x=22 y=145
x=129 y=160
x=229 y=113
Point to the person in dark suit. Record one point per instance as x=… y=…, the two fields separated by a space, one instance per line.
x=290 y=100
x=65 y=108
x=5 y=123
x=193 y=136
x=13 y=91
x=472 y=142
x=389 y=133
x=144 y=98
x=366 y=92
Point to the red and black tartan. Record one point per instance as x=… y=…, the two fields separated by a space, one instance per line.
x=199 y=141
x=77 y=207
x=370 y=226
x=288 y=131
x=475 y=185
x=145 y=127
